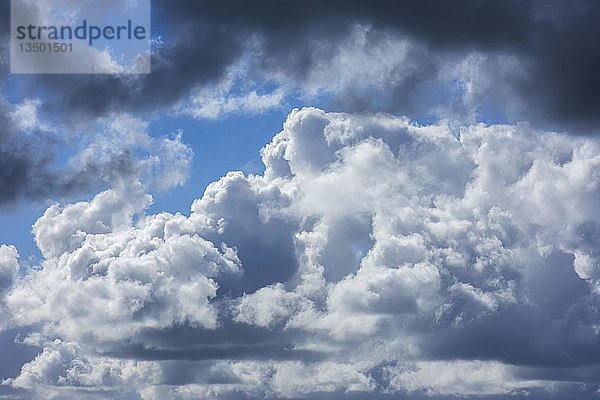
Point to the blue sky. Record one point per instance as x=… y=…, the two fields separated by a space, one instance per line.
x=230 y=144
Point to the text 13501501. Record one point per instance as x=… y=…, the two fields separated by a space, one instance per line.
x=41 y=47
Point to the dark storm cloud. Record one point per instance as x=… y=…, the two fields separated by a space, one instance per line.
x=204 y=38
x=554 y=40
x=175 y=69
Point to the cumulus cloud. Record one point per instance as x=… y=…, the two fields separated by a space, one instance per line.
x=62 y=369
x=103 y=264
x=373 y=255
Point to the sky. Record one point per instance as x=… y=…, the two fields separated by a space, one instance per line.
x=317 y=199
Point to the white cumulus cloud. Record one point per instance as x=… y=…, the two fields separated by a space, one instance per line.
x=374 y=255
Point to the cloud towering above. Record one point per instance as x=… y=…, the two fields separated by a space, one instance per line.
x=373 y=257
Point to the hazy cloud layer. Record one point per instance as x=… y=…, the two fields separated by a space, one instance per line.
x=373 y=256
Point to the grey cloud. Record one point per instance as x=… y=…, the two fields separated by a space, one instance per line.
x=255 y=352
x=29 y=150
x=9 y=268
x=551 y=38
x=554 y=82
x=25 y=170
x=374 y=257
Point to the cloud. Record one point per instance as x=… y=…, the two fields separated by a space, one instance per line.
x=127 y=296
x=62 y=366
x=407 y=53
x=373 y=255
x=101 y=152
x=218 y=101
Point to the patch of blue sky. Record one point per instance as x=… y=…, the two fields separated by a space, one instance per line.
x=219 y=146
x=16 y=221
